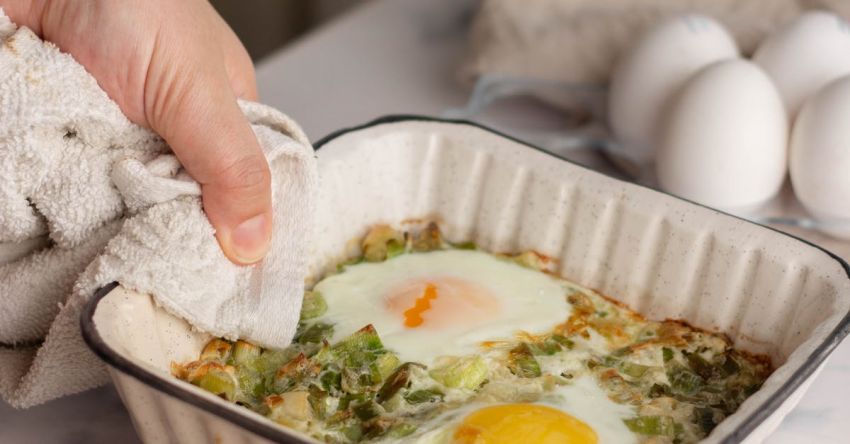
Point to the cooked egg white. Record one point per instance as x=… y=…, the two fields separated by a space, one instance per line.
x=585 y=400
x=443 y=302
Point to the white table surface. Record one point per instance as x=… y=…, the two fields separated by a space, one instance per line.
x=390 y=56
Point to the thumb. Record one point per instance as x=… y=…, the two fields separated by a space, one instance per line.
x=203 y=124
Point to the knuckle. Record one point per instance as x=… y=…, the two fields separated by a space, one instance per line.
x=249 y=174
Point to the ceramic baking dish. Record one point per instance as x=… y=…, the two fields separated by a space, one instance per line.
x=663 y=256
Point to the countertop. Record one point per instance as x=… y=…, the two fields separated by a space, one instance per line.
x=389 y=56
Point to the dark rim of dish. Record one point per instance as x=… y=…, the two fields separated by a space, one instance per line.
x=279 y=434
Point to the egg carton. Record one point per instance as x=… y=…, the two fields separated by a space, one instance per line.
x=582 y=135
x=662 y=256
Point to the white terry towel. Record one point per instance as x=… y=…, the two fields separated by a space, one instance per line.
x=88 y=198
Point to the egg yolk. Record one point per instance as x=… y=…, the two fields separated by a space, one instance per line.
x=514 y=423
x=413 y=315
x=440 y=302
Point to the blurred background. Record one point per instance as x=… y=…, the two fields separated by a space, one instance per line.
x=269 y=24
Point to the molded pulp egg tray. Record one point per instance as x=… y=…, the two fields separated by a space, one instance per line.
x=660 y=255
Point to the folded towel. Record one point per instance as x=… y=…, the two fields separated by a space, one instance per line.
x=88 y=198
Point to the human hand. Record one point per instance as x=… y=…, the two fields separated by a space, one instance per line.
x=177 y=68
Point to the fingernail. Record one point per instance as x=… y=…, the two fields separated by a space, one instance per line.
x=250 y=239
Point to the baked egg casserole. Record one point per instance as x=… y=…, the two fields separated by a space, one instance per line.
x=420 y=340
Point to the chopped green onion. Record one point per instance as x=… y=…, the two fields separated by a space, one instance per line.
x=401 y=430
x=706 y=418
x=398 y=379
x=383 y=366
x=684 y=381
x=632 y=369
x=294 y=372
x=563 y=340
x=730 y=366
x=364 y=339
x=652 y=425
x=318 y=400
x=315 y=333
x=658 y=390
x=219 y=382
x=521 y=362
x=216 y=350
x=420 y=396
x=699 y=365
x=331 y=381
x=428 y=239
x=382 y=241
x=394 y=248
x=367 y=410
x=245 y=352
x=361 y=348
x=252 y=384
x=547 y=347
x=532 y=260
x=627 y=368
x=377 y=426
x=352 y=430
x=468 y=372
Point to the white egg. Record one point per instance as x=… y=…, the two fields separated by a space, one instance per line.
x=725 y=139
x=655 y=68
x=441 y=303
x=820 y=157
x=805 y=55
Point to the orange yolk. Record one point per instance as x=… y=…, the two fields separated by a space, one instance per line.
x=515 y=423
x=413 y=315
x=441 y=302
